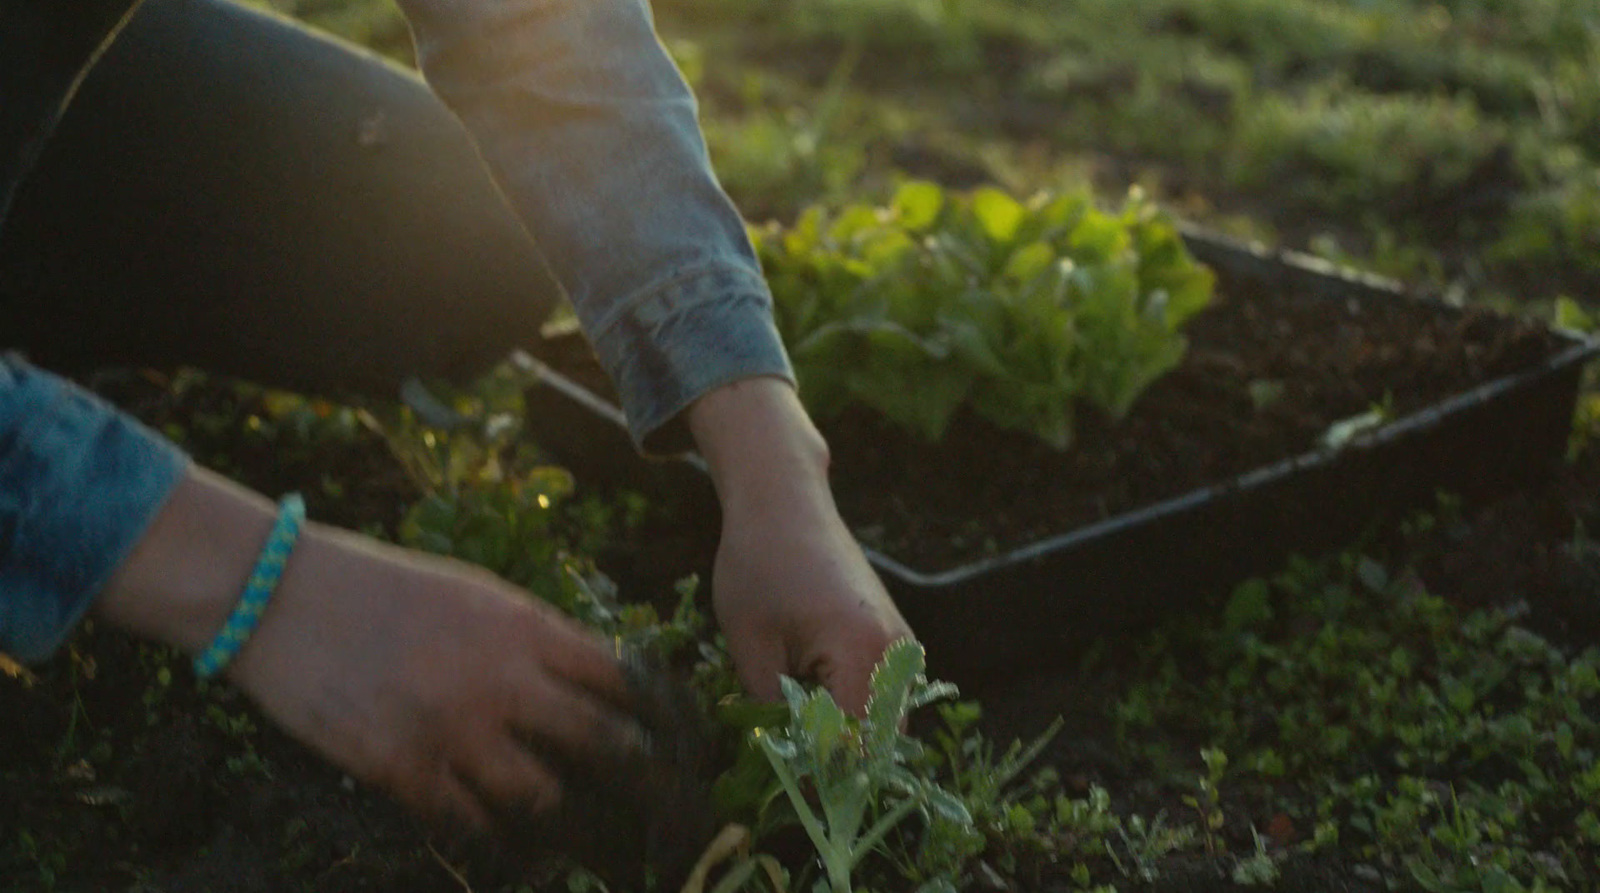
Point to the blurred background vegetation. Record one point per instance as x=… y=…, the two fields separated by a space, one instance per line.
x=1454 y=144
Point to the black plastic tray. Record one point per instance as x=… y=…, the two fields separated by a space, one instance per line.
x=1027 y=609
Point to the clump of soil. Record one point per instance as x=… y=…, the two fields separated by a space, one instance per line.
x=1265 y=376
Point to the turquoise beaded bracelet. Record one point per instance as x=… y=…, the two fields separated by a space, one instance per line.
x=263 y=580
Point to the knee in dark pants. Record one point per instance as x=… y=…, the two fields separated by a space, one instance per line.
x=231 y=191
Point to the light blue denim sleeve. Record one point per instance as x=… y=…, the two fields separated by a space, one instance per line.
x=79 y=483
x=594 y=136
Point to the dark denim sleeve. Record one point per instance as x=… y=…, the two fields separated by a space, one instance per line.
x=594 y=136
x=79 y=483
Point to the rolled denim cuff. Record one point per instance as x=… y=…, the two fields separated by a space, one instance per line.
x=699 y=331
x=79 y=484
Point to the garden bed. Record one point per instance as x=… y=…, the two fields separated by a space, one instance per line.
x=129 y=775
x=1221 y=471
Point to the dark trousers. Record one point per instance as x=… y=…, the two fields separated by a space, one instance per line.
x=230 y=191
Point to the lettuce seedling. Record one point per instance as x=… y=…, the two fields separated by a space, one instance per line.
x=1019 y=312
x=857 y=769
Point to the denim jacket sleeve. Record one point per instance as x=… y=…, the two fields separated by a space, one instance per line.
x=594 y=136
x=79 y=483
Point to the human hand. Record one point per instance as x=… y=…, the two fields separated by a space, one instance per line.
x=795 y=596
x=432 y=679
x=792 y=589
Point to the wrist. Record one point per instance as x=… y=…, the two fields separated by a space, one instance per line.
x=183 y=579
x=762 y=449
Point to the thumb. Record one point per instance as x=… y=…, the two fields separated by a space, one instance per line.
x=760 y=663
x=847 y=676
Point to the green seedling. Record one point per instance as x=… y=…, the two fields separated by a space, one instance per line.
x=1207 y=803
x=848 y=780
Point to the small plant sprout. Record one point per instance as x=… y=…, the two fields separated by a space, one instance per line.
x=1259 y=869
x=1208 y=803
x=857 y=769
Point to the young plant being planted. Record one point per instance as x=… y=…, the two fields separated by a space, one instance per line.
x=858 y=772
x=1020 y=311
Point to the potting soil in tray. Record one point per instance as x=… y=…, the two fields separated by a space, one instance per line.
x=1265 y=376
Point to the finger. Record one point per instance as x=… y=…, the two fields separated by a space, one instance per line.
x=847 y=679
x=760 y=663
x=846 y=670
x=448 y=802
x=582 y=660
x=578 y=726
x=510 y=779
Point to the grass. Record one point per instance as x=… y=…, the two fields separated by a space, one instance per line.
x=1468 y=134
x=1269 y=109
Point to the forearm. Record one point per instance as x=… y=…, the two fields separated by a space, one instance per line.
x=183 y=579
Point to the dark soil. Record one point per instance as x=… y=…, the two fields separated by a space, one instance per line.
x=983 y=490
x=125 y=784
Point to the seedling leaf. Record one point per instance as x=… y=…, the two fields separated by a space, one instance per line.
x=824 y=724
x=947 y=806
x=890 y=687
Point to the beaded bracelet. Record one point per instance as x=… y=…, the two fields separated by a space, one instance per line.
x=263 y=580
